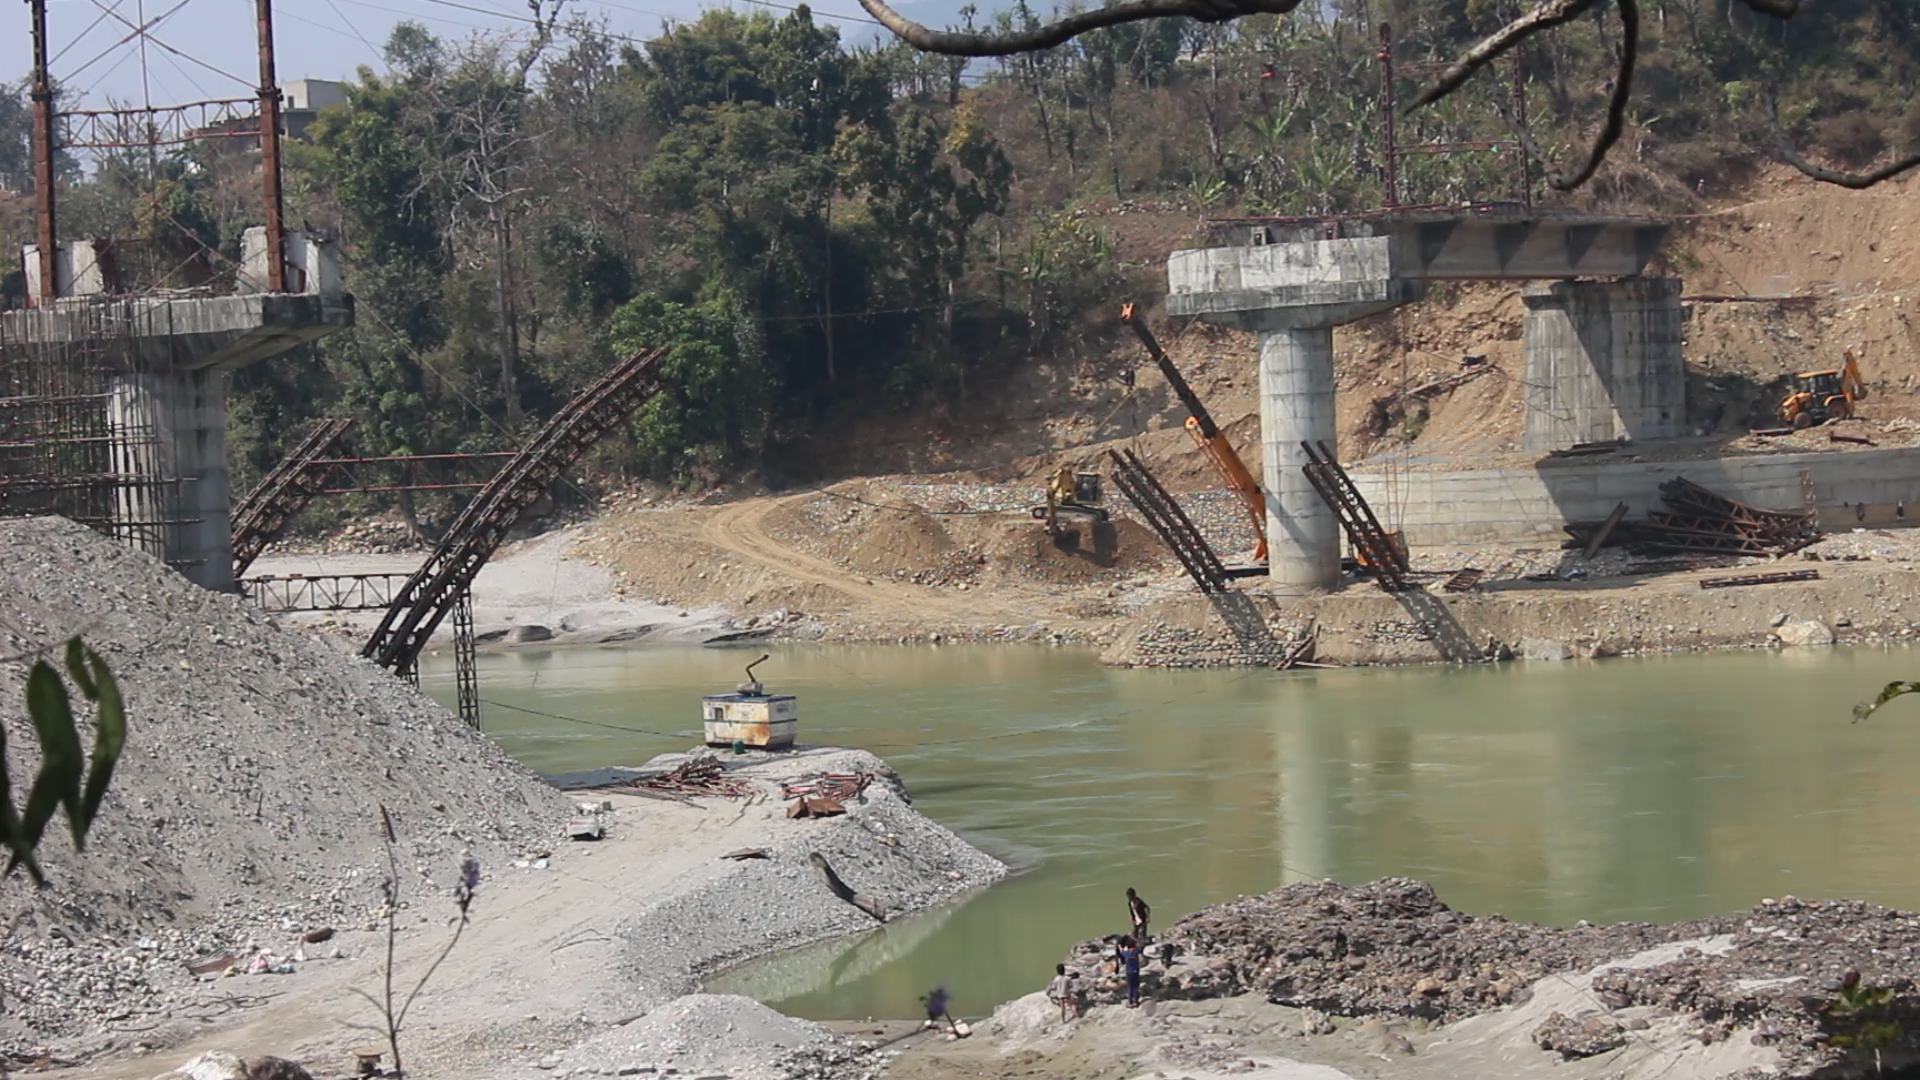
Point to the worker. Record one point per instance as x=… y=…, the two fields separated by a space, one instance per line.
x=1062 y=993
x=1127 y=957
x=936 y=1003
x=1140 y=913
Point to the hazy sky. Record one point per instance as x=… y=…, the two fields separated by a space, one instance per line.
x=204 y=42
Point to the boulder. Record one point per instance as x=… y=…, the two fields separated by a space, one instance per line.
x=1806 y=632
x=1544 y=649
x=1572 y=1038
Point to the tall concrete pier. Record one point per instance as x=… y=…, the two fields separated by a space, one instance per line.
x=113 y=407
x=1293 y=282
x=1603 y=362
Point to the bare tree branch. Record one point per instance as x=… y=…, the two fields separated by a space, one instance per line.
x=1545 y=16
x=970 y=43
x=1616 y=111
x=1783 y=146
x=1779 y=9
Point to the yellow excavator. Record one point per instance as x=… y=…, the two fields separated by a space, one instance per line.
x=1820 y=396
x=1074 y=493
x=1207 y=434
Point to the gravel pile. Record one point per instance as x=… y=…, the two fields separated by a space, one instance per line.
x=714 y=1034
x=1391 y=948
x=245 y=811
x=880 y=847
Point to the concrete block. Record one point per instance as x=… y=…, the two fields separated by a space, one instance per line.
x=313 y=264
x=83 y=268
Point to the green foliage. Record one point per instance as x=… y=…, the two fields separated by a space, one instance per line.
x=714 y=406
x=69 y=778
x=1859 y=1018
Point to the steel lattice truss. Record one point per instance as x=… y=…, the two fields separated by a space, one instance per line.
x=283 y=493
x=1163 y=513
x=1336 y=489
x=322 y=592
x=433 y=590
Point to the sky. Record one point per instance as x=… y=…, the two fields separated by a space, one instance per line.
x=205 y=49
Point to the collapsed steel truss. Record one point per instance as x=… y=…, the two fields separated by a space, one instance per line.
x=1165 y=517
x=437 y=587
x=1336 y=489
x=284 y=492
x=1699 y=520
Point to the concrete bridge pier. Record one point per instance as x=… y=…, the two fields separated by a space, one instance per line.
x=1293 y=281
x=1293 y=295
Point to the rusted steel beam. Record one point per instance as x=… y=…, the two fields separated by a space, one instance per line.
x=280 y=495
x=478 y=531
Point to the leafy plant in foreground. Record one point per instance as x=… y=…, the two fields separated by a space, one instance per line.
x=68 y=778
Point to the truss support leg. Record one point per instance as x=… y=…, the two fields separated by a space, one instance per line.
x=466 y=661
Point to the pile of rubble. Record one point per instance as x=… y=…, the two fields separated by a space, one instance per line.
x=246 y=810
x=1698 y=520
x=1391 y=948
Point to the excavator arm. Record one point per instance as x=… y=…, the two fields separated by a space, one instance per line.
x=1207 y=434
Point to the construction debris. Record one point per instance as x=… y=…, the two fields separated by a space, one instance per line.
x=1585 y=449
x=1759 y=579
x=745 y=853
x=1697 y=520
x=1860 y=440
x=840 y=786
x=1463 y=580
x=702 y=776
x=815 y=807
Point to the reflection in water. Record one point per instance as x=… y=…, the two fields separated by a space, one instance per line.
x=1632 y=789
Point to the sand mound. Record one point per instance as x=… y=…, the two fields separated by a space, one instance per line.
x=704 y=1033
x=1084 y=552
x=904 y=542
x=246 y=807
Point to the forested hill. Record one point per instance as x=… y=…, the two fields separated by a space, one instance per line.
x=826 y=233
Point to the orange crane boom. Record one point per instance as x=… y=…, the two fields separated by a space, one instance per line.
x=1207 y=434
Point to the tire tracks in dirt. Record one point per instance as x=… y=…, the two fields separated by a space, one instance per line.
x=740 y=528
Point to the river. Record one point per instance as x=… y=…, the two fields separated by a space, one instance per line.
x=1631 y=789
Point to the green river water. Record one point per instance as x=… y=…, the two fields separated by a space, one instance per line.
x=1644 y=789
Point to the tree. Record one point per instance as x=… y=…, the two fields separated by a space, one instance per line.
x=1512 y=33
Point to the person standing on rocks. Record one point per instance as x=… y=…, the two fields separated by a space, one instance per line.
x=1062 y=992
x=936 y=1003
x=1140 y=913
x=1127 y=956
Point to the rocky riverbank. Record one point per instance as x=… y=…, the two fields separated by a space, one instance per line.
x=1770 y=983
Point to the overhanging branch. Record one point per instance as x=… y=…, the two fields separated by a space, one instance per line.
x=1783 y=146
x=1046 y=36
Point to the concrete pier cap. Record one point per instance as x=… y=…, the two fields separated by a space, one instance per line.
x=1293 y=280
x=162 y=355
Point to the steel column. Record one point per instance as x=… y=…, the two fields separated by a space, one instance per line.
x=43 y=154
x=270 y=153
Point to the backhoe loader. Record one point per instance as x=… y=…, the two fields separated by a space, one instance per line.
x=1820 y=396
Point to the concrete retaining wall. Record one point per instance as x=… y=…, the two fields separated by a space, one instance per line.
x=1439 y=508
